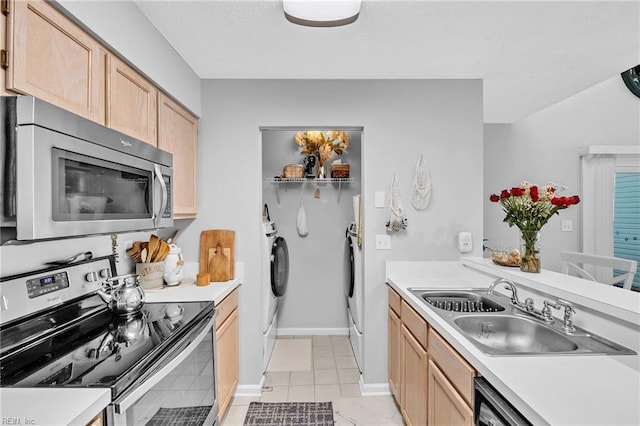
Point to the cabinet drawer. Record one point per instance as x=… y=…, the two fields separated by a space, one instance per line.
x=394 y=301
x=459 y=372
x=226 y=307
x=414 y=323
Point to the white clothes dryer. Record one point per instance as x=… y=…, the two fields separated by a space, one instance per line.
x=275 y=275
x=354 y=291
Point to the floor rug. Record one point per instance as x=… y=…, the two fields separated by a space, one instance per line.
x=291 y=355
x=182 y=416
x=289 y=414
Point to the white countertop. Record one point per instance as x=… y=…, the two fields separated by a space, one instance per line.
x=52 y=407
x=553 y=390
x=215 y=291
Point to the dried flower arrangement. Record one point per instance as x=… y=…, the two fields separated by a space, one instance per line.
x=315 y=142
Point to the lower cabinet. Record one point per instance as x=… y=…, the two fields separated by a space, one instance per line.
x=227 y=350
x=447 y=407
x=395 y=355
x=431 y=382
x=414 y=380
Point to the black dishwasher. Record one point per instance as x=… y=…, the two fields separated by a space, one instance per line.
x=491 y=409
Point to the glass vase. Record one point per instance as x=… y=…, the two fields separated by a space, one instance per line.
x=530 y=251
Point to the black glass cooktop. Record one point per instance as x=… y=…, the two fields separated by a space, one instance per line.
x=100 y=350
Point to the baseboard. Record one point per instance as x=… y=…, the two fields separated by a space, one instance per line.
x=250 y=390
x=374 y=389
x=312 y=332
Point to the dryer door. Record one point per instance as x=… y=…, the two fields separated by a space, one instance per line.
x=279 y=267
x=349 y=267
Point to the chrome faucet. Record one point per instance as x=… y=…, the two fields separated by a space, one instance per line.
x=569 y=310
x=528 y=305
x=509 y=285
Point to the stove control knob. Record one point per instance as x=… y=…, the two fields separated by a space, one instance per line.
x=105 y=273
x=91 y=277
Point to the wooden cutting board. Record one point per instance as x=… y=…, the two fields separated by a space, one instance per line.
x=217 y=254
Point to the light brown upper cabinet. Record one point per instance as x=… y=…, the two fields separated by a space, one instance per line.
x=178 y=134
x=132 y=102
x=52 y=58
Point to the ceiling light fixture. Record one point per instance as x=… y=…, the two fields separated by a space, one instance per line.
x=321 y=13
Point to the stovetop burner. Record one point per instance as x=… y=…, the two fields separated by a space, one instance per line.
x=101 y=350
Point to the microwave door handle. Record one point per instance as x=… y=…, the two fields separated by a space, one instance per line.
x=157 y=217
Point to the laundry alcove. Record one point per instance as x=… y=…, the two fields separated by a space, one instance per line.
x=315 y=301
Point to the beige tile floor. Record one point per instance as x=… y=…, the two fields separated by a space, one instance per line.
x=334 y=377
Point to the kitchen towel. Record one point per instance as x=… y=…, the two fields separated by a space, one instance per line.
x=396 y=218
x=420 y=194
x=301 y=222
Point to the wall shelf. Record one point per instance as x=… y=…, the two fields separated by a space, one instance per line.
x=314 y=181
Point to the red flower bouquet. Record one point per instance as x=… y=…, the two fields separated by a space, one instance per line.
x=529 y=208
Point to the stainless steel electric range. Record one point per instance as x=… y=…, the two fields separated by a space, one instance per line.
x=55 y=331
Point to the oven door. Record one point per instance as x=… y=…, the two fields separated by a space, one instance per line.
x=181 y=385
x=67 y=186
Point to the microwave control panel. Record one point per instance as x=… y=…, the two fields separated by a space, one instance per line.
x=46 y=284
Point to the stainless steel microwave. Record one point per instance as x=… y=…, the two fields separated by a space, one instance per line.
x=64 y=175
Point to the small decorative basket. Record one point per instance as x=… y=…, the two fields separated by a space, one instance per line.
x=293 y=171
x=340 y=171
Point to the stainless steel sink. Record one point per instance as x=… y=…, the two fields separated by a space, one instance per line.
x=460 y=301
x=496 y=327
x=499 y=334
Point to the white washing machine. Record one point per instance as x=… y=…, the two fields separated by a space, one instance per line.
x=354 y=291
x=275 y=274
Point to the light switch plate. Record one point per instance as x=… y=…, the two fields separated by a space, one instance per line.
x=567 y=226
x=464 y=242
x=379 y=199
x=383 y=242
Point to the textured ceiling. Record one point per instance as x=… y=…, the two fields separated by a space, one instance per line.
x=529 y=55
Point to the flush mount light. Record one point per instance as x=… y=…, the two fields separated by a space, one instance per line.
x=321 y=13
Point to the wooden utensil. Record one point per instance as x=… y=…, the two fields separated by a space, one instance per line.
x=143 y=255
x=163 y=251
x=173 y=237
x=222 y=267
x=134 y=252
x=154 y=245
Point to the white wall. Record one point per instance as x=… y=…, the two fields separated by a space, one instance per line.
x=122 y=26
x=314 y=302
x=544 y=147
x=402 y=119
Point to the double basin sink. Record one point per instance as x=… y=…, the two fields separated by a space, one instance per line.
x=496 y=327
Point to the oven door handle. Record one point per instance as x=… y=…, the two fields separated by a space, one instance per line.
x=165 y=195
x=167 y=363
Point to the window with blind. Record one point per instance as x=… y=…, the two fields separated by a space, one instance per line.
x=626 y=219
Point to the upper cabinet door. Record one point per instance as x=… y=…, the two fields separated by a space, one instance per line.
x=52 y=58
x=178 y=134
x=131 y=102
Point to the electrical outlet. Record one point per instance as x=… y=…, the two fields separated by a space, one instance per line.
x=383 y=242
x=567 y=226
x=464 y=242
